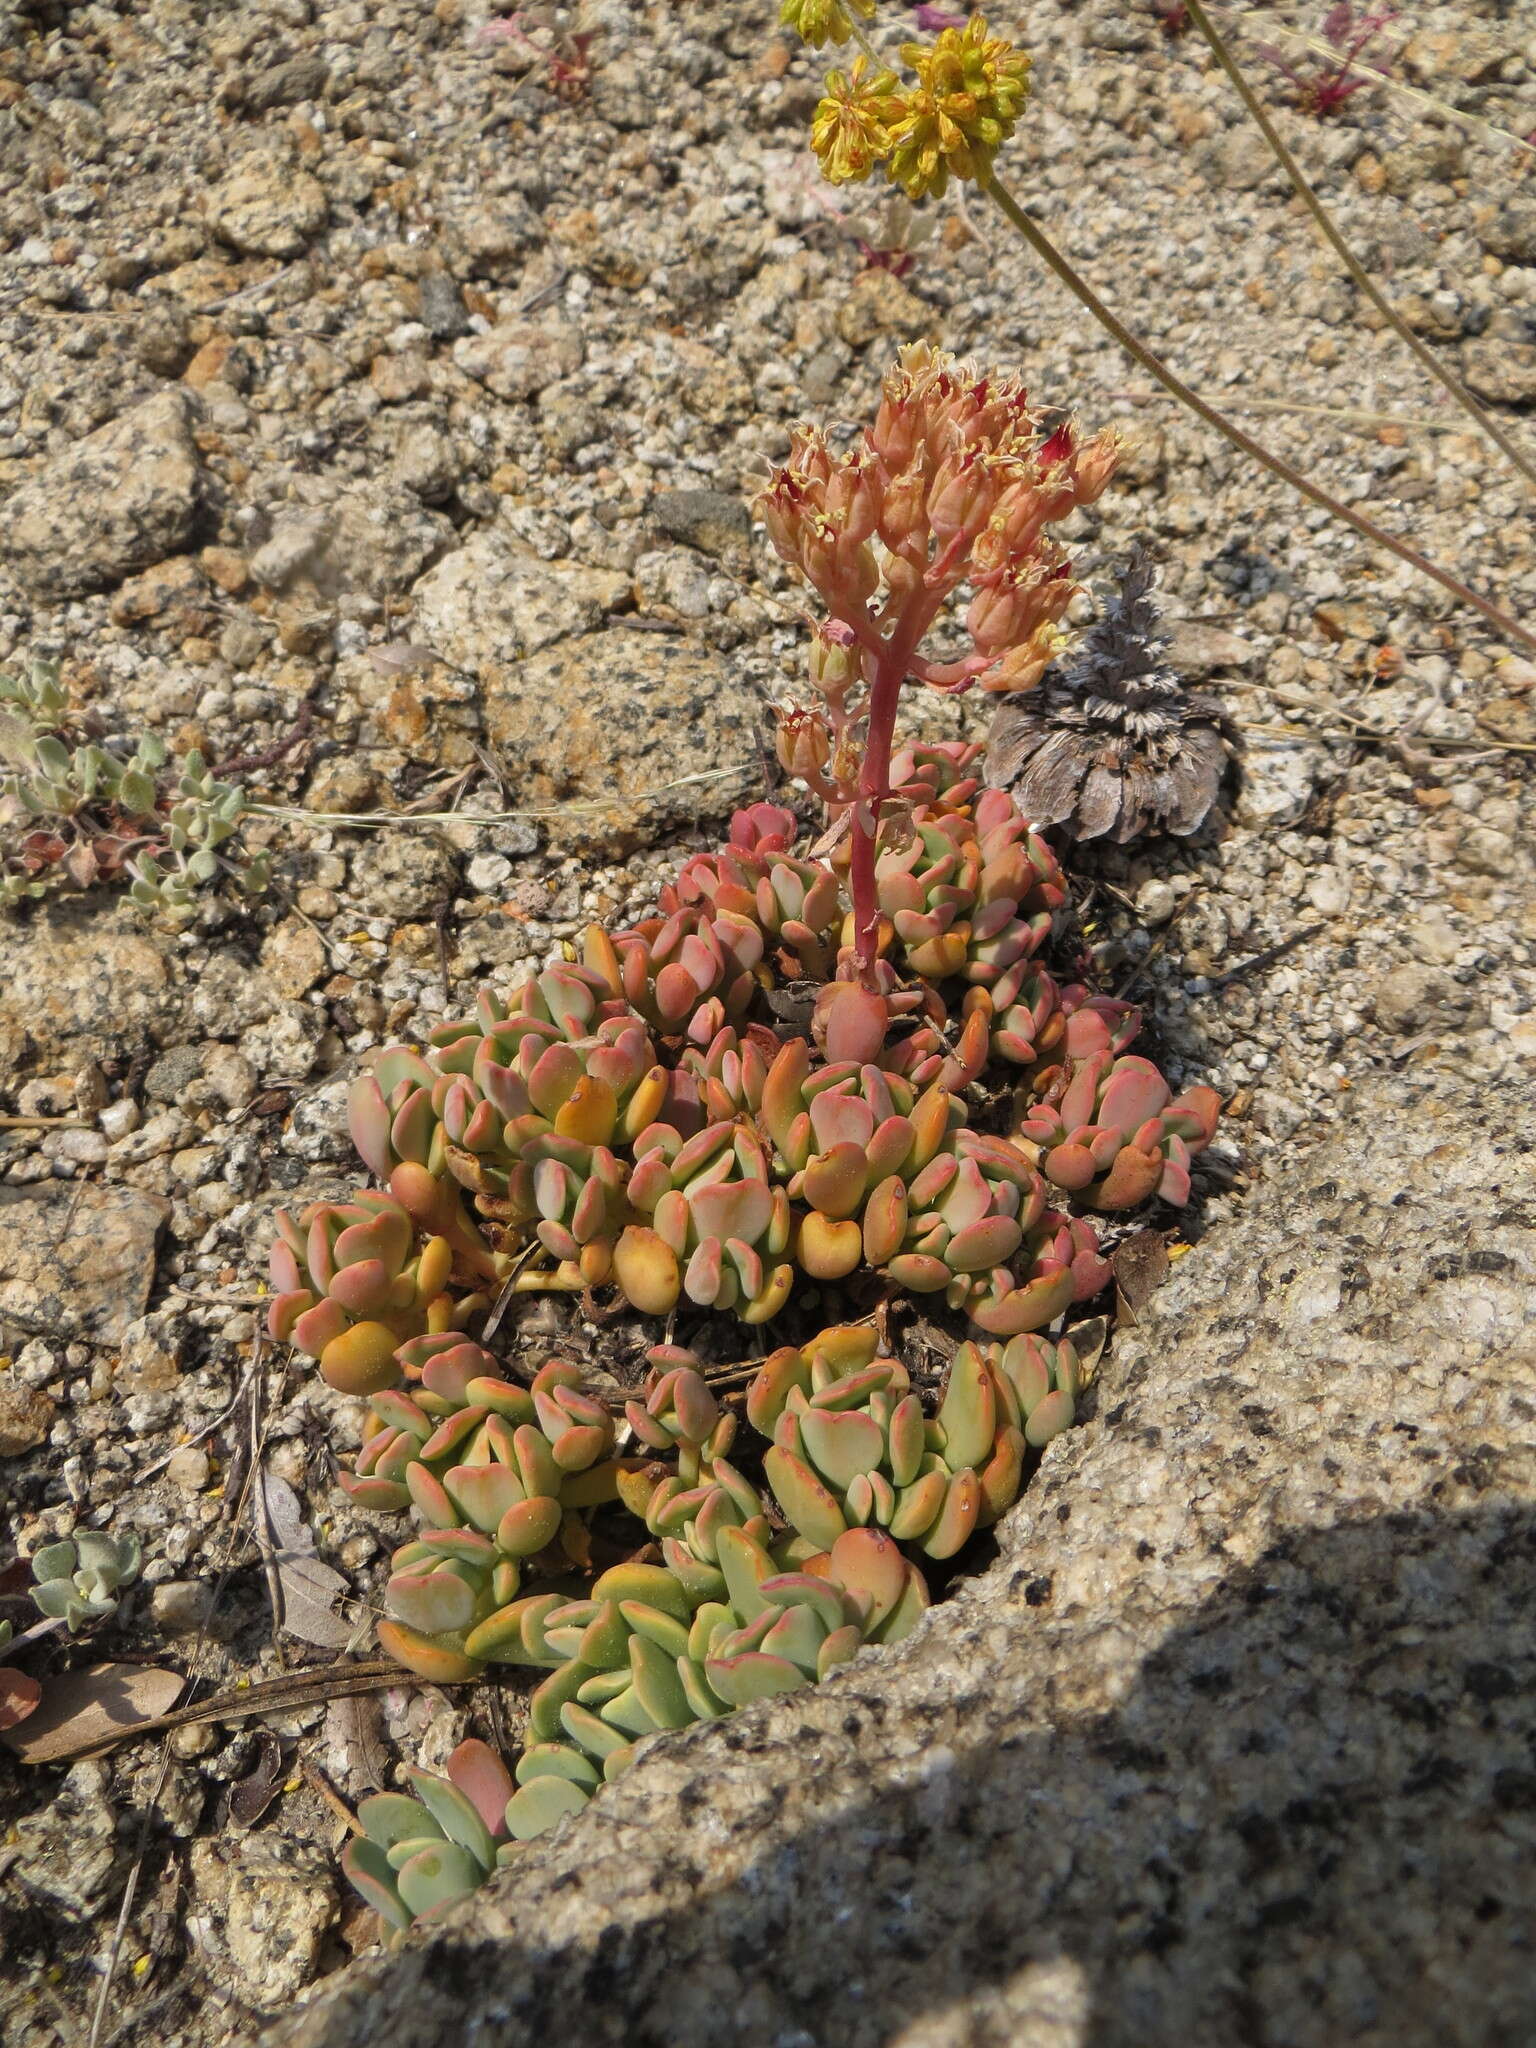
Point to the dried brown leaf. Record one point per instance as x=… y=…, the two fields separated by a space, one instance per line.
x=250 y=1797
x=402 y=657
x=311 y=1590
x=19 y=1695
x=1140 y=1268
x=354 y=1727
x=81 y=864
x=81 y=1708
x=1088 y=1341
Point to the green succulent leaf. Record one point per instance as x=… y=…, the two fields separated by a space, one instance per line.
x=541 y=1804
x=368 y=1868
x=439 y=1875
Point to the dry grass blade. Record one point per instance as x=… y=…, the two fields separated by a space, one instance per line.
x=164 y=1726
x=283 y=1695
x=378 y=821
x=1349 y=415
x=1325 y=221
x=1138 y=351
x=1269 y=955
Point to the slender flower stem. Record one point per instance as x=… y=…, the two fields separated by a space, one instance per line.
x=897 y=652
x=1052 y=257
x=1304 y=191
x=874 y=787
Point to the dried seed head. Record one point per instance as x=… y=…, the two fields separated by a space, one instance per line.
x=1114 y=745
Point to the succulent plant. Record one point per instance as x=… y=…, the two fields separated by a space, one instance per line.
x=679 y=1413
x=1110 y=1131
x=77 y=1580
x=352 y=1287
x=475 y=1102
x=419 y=1855
x=718 y=1226
x=846 y=1135
x=1042 y=1380
x=665 y=967
x=89 y=813
x=797 y=903
x=497 y=1473
x=642 y=1654
x=970 y=892
x=851 y=1447
x=937 y=769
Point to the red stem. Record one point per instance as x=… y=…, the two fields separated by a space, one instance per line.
x=892 y=665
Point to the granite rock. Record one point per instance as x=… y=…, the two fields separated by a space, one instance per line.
x=620 y=720
x=1231 y=1742
x=267 y=207
x=124 y=498
x=262 y=1907
x=77 y=1261
x=79 y=987
x=492 y=601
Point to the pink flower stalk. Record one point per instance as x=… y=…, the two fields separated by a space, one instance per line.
x=953 y=484
x=931 y=19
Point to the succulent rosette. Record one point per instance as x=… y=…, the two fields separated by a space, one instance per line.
x=643 y=1655
x=1110 y=1132
x=352 y=1286
x=719 y=1225
x=418 y=1855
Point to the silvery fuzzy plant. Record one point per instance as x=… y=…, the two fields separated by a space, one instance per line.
x=78 y=1579
x=1113 y=744
x=83 y=813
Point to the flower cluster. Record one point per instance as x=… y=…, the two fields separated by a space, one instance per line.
x=818 y=22
x=955 y=483
x=967 y=92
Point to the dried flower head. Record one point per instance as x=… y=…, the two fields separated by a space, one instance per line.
x=1115 y=745
x=824 y=21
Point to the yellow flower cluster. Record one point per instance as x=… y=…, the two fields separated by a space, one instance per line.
x=851 y=128
x=824 y=21
x=970 y=89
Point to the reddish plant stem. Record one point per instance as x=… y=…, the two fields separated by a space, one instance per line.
x=892 y=666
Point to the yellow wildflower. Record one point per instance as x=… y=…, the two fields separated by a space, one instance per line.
x=970 y=90
x=824 y=21
x=851 y=130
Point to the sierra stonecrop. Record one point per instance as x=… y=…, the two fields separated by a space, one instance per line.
x=695 y=1152
x=954 y=484
x=756 y=1593
x=835 y=1072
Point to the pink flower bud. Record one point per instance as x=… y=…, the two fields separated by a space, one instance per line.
x=1096 y=464
x=1023 y=666
x=901 y=506
x=995 y=616
x=961 y=496
x=834 y=656
x=895 y=433
x=855 y=577
x=851 y=503
x=803 y=743
x=776 y=517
